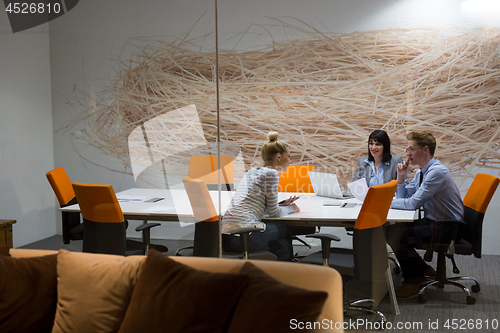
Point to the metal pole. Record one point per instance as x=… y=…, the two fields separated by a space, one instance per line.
x=218 y=124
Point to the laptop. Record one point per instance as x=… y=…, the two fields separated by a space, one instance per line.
x=325 y=184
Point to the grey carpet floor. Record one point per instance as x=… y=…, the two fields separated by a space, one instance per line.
x=445 y=311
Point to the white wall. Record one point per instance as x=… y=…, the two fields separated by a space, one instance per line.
x=82 y=44
x=26 y=140
x=84 y=40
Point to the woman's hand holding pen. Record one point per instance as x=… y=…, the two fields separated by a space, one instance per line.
x=289 y=201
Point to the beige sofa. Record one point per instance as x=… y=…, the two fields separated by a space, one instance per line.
x=99 y=293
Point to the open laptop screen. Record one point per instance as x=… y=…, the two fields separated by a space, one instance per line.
x=325 y=184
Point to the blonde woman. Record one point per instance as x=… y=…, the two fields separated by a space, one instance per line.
x=257 y=194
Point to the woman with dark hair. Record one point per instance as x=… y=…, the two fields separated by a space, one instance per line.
x=256 y=194
x=381 y=166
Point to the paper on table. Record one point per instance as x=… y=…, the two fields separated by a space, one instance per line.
x=124 y=198
x=358 y=189
x=158 y=209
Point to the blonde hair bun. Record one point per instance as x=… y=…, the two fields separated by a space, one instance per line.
x=273 y=136
x=272 y=147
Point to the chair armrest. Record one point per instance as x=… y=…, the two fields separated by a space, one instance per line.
x=326 y=240
x=146 y=226
x=453 y=235
x=349 y=230
x=454 y=225
x=324 y=236
x=242 y=231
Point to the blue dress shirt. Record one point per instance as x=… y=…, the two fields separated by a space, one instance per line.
x=438 y=194
x=365 y=170
x=376 y=178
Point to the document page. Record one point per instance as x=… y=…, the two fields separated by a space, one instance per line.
x=358 y=189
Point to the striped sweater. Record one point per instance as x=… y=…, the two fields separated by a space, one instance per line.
x=256 y=194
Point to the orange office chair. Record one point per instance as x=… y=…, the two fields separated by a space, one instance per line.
x=205 y=167
x=103 y=221
x=367 y=260
x=476 y=201
x=72 y=228
x=206 y=234
x=296 y=179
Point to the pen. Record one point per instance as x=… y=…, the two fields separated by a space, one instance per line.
x=287 y=200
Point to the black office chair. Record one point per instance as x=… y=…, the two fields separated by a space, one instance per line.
x=296 y=179
x=476 y=201
x=367 y=260
x=104 y=224
x=206 y=234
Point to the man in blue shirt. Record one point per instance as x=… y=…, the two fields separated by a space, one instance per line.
x=432 y=189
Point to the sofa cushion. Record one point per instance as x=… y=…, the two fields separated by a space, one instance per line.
x=28 y=294
x=93 y=291
x=172 y=297
x=4 y=250
x=268 y=305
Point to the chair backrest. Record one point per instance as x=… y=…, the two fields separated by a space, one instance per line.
x=206 y=233
x=200 y=199
x=296 y=179
x=369 y=245
x=104 y=224
x=205 y=167
x=481 y=191
x=98 y=203
x=476 y=201
x=62 y=186
x=63 y=189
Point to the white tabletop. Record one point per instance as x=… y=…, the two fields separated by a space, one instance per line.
x=175 y=206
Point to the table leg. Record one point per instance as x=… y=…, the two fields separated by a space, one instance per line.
x=145 y=240
x=392 y=292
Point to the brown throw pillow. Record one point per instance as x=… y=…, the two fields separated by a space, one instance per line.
x=4 y=250
x=268 y=305
x=93 y=291
x=28 y=294
x=172 y=297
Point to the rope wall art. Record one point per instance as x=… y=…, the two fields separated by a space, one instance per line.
x=324 y=94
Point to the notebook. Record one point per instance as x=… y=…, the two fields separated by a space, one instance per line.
x=325 y=184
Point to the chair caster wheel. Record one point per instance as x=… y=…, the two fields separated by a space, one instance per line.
x=422 y=299
x=475 y=288
x=440 y=285
x=471 y=300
